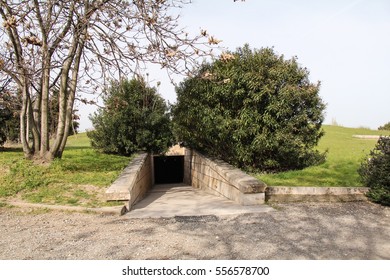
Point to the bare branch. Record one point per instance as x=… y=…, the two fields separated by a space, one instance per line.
x=80 y=46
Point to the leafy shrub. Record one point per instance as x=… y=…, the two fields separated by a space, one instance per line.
x=375 y=172
x=253 y=109
x=2 y=138
x=4 y=116
x=9 y=116
x=134 y=119
x=385 y=127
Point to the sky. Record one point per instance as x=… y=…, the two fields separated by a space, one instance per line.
x=345 y=44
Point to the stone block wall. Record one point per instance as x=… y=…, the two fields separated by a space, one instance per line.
x=143 y=181
x=219 y=178
x=134 y=182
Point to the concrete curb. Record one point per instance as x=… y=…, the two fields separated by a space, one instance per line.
x=114 y=210
x=282 y=194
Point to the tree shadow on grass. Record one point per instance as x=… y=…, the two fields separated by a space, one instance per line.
x=77 y=148
x=11 y=149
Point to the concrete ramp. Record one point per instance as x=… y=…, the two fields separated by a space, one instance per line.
x=212 y=187
x=166 y=201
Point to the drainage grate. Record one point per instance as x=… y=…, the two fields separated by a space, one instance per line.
x=196 y=219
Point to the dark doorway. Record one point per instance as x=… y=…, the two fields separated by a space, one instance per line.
x=168 y=169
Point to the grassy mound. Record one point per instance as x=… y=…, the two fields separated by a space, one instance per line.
x=345 y=154
x=79 y=178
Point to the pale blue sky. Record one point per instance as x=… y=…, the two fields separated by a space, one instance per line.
x=345 y=44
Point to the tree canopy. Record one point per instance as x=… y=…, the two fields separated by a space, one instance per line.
x=135 y=118
x=385 y=126
x=252 y=108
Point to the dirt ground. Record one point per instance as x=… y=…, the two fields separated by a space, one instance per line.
x=295 y=231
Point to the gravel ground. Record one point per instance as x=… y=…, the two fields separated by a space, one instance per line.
x=295 y=231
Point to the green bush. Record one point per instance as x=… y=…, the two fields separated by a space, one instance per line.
x=9 y=116
x=4 y=116
x=134 y=119
x=2 y=138
x=385 y=127
x=375 y=172
x=253 y=109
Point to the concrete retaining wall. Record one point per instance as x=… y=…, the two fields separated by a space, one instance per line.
x=220 y=178
x=315 y=194
x=134 y=182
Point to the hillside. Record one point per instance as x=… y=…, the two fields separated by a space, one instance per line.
x=345 y=154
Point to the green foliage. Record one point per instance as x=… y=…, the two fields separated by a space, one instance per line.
x=9 y=126
x=253 y=109
x=134 y=119
x=385 y=127
x=2 y=136
x=375 y=172
x=5 y=115
x=12 y=128
x=9 y=116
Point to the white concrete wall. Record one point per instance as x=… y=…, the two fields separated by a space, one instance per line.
x=143 y=181
x=134 y=182
x=222 y=179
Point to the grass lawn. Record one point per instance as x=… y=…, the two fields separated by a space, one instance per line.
x=345 y=154
x=82 y=175
x=79 y=178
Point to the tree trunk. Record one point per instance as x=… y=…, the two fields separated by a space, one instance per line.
x=68 y=91
x=71 y=98
x=33 y=127
x=46 y=42
x=37 y=117
x=62 y=103
x=24 y=121
x=44 y=147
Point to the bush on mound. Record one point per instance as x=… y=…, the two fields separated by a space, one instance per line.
x=135 y=118
x=253 y=109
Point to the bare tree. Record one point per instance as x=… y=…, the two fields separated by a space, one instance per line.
x=77 y=46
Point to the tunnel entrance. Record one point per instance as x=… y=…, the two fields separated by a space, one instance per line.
x=168 y=169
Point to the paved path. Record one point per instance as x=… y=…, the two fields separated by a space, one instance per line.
x=167 y=201
x=294 y=231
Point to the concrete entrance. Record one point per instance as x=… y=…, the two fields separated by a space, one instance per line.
x=170 y=200
x=202 y=186
x=168 y=169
